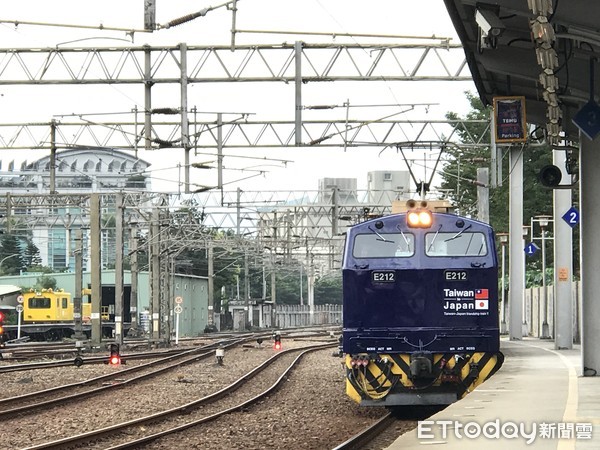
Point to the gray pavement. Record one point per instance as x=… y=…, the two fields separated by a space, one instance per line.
x=537 y=400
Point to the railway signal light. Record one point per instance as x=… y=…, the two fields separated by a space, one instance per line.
x=277 y=341
x=1 y=327
x=115 y=355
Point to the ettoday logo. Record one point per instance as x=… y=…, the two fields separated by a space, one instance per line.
x=495 y=429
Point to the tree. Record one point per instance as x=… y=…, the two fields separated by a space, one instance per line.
x=461 y=170
x=10 y=255
x=46 y=282
x=328 y=290
x=31 y=256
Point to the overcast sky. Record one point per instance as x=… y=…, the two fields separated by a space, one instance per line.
x=267 y=101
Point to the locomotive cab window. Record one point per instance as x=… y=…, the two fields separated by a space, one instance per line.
x=65 y=303
x=456 y=244
x=39 y=303
x=388 y=245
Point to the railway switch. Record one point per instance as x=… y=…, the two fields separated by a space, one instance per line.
x=220 y=354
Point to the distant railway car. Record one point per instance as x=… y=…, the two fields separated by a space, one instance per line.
x=420 y=313
x=49 y=305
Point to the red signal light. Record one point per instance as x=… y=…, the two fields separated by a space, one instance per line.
x=277 y=341
x=115 y=355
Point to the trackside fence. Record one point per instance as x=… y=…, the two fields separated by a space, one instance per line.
x=535 y=310
x=288 y=316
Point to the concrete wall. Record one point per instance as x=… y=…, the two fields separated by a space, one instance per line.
x=534 y=310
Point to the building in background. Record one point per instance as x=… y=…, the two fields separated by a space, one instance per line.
x=79 y=171
x=346 y=188
x=390 y=184
x=192 y=291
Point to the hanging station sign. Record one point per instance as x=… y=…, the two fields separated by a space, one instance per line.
x=509 y=119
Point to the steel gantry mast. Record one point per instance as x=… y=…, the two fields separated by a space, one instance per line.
x=248 y=63
x=311 y=226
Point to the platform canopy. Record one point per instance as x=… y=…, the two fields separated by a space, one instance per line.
x=508 y=43
x=8 y=296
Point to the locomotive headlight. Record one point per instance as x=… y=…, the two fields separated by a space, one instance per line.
x=425 y=219
x=419 y=218
x=413 y=219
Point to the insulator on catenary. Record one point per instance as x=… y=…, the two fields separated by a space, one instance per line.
x=165 y=111
x=186 y=18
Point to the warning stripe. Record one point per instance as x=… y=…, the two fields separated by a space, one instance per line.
x=378 y=377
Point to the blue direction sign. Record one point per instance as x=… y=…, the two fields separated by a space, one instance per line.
x=531 y=249
x=571 y=217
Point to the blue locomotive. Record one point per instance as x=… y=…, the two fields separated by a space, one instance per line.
x=420 y=314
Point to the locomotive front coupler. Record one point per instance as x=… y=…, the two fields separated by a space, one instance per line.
x=421 y=365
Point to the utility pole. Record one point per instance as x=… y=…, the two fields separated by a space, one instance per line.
x=155 y=273
x=119 y=283
x=148 y=97
x=247 y=288
x=273 y=273
x=133 y=261
x=211 y=286
x=483 y=195
x=96 y=268
x=77 y=309
x=185 y=132
x=334 y=211
x=53 y=157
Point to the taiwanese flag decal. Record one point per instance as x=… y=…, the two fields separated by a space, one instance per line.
x=481 y=294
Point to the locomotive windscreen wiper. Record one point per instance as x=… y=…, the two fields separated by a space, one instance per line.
x=381 y=238
x=457 y=235
x=434 y=238
x=403 y=236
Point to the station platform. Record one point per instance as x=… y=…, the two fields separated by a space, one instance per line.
x=537 y=400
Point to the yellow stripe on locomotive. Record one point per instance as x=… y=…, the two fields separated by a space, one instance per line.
x=394 y=379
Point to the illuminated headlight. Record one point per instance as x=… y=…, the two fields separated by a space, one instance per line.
x=413 y=219
x=419 y=218
x=425 y=218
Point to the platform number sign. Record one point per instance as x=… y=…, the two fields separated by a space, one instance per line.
x=571 y=217
x=531 y=249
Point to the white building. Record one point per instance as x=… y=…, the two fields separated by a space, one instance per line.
x=394 y=184
x=79 y=171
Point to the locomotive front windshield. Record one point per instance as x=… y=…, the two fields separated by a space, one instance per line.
x=401 y=245
x=455 y=244
x=437 y=244
x=39 y=303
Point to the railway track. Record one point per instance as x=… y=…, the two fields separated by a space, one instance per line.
x=377 y=435
x=27 y=403
x=135 y=432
